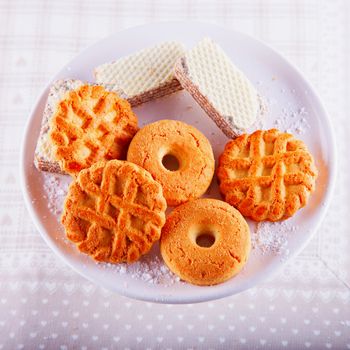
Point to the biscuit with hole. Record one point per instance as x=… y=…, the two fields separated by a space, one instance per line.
x=205 y=241
x=177 y=155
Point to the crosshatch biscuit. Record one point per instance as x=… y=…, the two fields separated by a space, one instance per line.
x=145 y=75
x=114 y=211
x=267 y=175
x=219 y=87
x=90 y=124
x=79 y=97
x=205 y=241
x=154 y=143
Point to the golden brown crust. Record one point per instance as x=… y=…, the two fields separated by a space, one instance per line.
x=114 y=211
x=188 y=145
x=267 y=175
x=89 y=125
x=205 y=265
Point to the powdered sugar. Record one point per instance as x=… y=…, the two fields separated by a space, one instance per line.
x=55 y=187
x=293 y=121
x=286 y=110
x=272 y=237
x=150 y=269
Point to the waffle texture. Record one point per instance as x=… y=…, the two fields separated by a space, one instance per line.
x=114 y=211
x=219 y=87
x=267 y=175
x=144 y=75
x=91 y=124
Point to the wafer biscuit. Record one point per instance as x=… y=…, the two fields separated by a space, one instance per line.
x=145 y=75
x=219 y=87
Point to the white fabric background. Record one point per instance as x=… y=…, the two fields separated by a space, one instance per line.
x=45 y=305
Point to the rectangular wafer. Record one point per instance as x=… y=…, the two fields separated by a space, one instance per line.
x=219 y=87
x=145 y=75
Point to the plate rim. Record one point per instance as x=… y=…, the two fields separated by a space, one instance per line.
x=173 y=299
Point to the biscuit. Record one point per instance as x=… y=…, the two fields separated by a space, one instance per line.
x=90 y=124
x=44 y=159
x=114 y=211
x=205 y=262
x=155 y=142
x=219 y=87
x=145 y=75
x=267 y=175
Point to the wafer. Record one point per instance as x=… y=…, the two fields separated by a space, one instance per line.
x=219 y=87
x=145 y=75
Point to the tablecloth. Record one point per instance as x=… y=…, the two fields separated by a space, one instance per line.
x=45 y=305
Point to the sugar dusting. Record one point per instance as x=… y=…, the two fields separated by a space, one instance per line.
x=56 y=188
x=293 y=121
x=289 y=119
x=272 y=237
x=150 y=269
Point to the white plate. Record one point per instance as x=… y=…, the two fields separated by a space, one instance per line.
x=292 y=104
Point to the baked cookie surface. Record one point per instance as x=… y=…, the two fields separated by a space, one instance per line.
x=267 y=175
x=114 y=211
x=90 y=124
x=220 y=257
x=155 y=142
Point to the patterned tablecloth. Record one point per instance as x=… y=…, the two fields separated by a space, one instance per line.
x=44 y=304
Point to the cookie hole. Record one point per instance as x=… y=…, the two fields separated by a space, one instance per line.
x=170 y=162
x=205 y=239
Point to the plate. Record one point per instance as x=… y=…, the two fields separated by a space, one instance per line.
x=292 y=105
